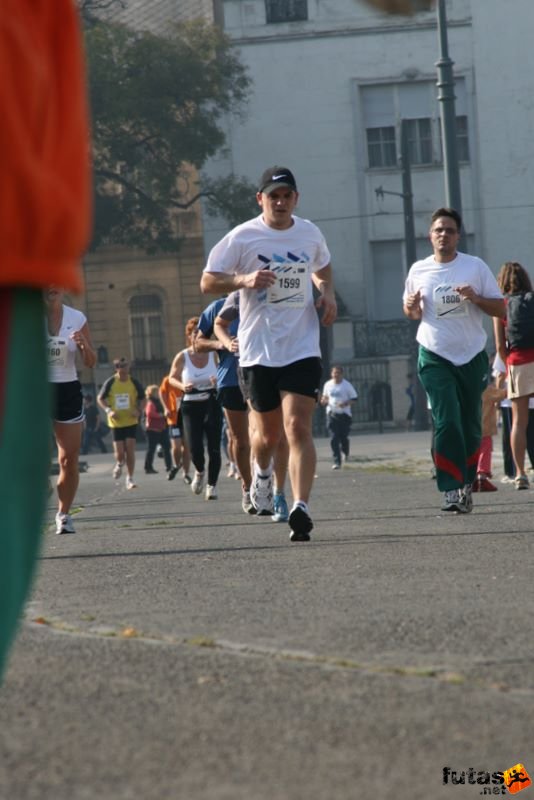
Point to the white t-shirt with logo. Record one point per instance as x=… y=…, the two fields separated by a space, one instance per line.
x=450 y=327
x=339 y=393
x=280 y=325
x=61 y=349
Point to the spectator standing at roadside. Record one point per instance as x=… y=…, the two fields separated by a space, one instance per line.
x=449 y=292
x=514 y=340
x=338 y=396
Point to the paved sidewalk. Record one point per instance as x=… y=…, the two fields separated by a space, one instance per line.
x=177 y=649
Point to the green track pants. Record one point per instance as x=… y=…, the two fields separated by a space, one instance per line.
x=24 y=450
x=455 y=399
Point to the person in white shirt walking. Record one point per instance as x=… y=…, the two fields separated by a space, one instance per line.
x=274 y=260
x=338 y=397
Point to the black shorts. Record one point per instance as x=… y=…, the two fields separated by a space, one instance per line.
x=67 y=402
x=121 y=434
x=263 y=385
x=231 y=398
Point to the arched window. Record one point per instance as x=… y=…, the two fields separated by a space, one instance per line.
x=146 y=326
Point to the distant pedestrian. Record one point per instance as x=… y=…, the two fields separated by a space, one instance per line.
x=156 y=431
x=171 y=399
x=338 y=396
x=122 y=398
x=94 y=429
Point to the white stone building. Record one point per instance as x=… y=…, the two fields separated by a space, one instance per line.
x=332 y=81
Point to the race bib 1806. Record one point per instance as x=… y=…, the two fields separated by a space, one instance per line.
x=292 y=285
x=447 y=302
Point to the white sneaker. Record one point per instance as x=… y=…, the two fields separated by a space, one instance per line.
x=261 y=495
x=130 y=483
x=246 y=503
x=211 y=492
x=64 y=523
x=197 y=483
x=117 y=471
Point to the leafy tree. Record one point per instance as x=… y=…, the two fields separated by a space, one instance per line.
x=157 y=107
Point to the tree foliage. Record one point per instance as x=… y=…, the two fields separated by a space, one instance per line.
x=158 y=106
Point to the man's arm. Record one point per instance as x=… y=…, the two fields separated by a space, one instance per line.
x=204 y=345
x=412 y=306
x=492 y=306
x=223 y=282
x=324 y=283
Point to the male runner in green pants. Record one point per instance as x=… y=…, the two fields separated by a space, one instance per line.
x=450 y=292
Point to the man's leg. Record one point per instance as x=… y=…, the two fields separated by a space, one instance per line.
x=333 y=427
x=297 y=413
x=472 y=380
x=238 y=427
x=439 y=380
x=129 y=446
x=24 y=450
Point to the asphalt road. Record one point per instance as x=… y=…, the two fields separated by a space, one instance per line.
x=175 y=649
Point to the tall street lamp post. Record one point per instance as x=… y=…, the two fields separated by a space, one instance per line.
x=446 y=97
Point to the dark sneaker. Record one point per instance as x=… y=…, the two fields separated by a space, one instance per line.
x=457 y=500
x=301 y=524
x=173 y=472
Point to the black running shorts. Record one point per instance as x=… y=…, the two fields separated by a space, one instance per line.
x=68 y=402
x=231 y=398
x=263 y=385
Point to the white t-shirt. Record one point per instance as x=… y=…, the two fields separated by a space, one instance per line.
x=337 y=394
x=62 y=349
x=280 y=325
x=449 y=327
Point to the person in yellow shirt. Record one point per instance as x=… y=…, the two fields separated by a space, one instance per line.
x=122 y=398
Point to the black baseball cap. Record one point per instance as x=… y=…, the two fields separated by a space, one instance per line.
x=274 y=177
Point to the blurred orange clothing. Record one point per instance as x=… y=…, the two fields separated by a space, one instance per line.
x=45 y=186
x=171 y=399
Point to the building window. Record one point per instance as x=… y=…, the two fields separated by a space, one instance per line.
x=386 y=106
x=146 y=326
x=381 y=147
x=286 y=10
x=420 y=141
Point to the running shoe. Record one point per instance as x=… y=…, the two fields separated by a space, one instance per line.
x=117 y=470
x=521 y=482
x=130 y=483
x=261 y=495
x=172 y=473
x=187 y=479
x=281 y=511
x=64 y=523
x=246 y=503
x=197 y=484
x=456 y=500
x=300 y=523
x=335 y=465
x=466 y=495
x=211 y=492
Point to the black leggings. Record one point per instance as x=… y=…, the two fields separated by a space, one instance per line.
x=204 y=418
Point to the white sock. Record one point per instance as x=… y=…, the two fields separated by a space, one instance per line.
x=263 y=473
x=301 y=504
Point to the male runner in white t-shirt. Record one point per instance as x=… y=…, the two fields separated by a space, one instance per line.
x=450 y=292
x=273 y=260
